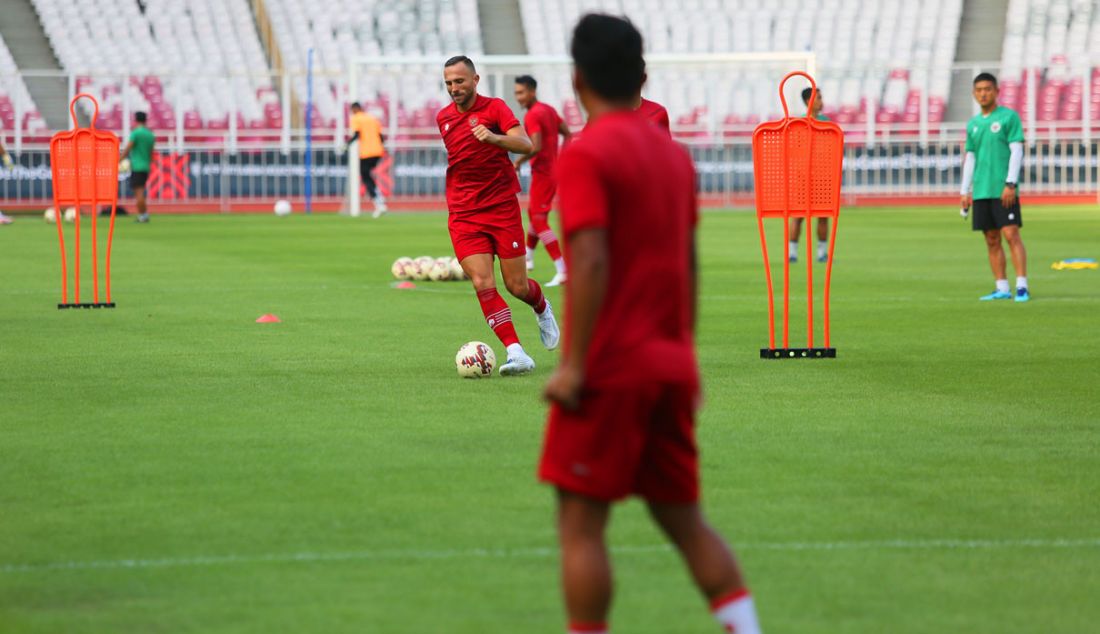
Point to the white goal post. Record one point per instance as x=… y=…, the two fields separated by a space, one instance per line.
x=705 y=88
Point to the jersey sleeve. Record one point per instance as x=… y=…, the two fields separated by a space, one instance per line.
x=530 y=123
x=582 y=193
x=1015 y=131
x=504 y=115
x=969 y=145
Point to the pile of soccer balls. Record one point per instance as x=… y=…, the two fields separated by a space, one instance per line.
x=427 y=268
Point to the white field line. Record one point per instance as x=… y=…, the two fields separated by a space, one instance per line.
x=537 y=553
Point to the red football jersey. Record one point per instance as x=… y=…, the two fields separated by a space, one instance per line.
x=545 y=120
x=478 y=174
x=656 y=113
x=628 y=177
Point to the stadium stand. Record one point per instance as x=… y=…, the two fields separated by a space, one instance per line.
x=347 y=28
x=200 y=58
x=868 y=52
x=13 y=92
x=1061 y=37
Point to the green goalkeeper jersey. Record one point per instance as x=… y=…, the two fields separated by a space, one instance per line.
x=142 y=140
x=988 y=136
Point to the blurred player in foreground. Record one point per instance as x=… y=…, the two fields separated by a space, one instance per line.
x=822 y=223
x=994 y=154
x=138 y=158
x=368 y=131
x=485 y=219
x=623 y=400
x=543 y=125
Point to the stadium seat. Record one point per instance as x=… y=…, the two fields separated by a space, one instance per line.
x=859 y=44
x=15 y=99
x=198 y=60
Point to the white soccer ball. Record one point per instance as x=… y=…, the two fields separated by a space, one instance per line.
x=282 y=208
x=402 y=268
x=70 y=214
x=50 y=215
x=475 y=360
x=441 y=271
x=417 y=271
x=124 y=165
x=456 y=270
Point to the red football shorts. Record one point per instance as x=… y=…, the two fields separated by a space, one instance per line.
x=623 y=441
x=496 y=230
x=541 y=194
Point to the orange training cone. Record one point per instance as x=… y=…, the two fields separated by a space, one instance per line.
x=268 y=319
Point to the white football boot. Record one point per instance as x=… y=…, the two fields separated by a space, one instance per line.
x=519 y=362
x=558 y=280
x=548 y=327
x=530 y=260
x=379 y=207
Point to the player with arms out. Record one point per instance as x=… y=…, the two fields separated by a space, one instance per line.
x=138 y=155
x=485 y=219
x=994 y=154
x=822 y=223
x=368 y=131
x=623 y=399
x=543 y=126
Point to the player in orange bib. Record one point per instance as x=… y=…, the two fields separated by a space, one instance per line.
x=367 y=129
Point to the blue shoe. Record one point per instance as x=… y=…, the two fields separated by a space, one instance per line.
x=1022 y=295
x=822 y=258
x=996 y=295
x=792 y=259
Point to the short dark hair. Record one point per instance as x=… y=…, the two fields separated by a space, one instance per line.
x=460 y=59
x=809 y=92
x=355 y=104
x=985 y=77
x=607 y=52
x=528 y=81
x=139 y=116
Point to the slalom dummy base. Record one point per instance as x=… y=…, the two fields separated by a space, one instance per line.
x=87 y=305
x=798 y=353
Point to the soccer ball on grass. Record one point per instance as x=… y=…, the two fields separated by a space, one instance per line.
x=282 y=208
x=441 y=271
x=402 y=268
x=475 y=360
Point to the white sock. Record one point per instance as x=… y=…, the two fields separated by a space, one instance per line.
x=792 y=249
x=1002 y=285
x=514 y=350
x=560 y=265
x=1021 y=282
x=737 y=613
x=822 y=247
x=530 y=254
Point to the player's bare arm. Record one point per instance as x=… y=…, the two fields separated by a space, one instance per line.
x=125 y=152
x=565 y=132
x=514 y=140
x=536 y=147
x=588 y=282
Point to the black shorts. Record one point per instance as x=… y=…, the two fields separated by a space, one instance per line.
x=366 y=166
x=138 y=179
x=989 y=214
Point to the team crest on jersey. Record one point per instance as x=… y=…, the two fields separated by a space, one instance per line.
x=473 y=121
x=446 y=126
x=995 y=127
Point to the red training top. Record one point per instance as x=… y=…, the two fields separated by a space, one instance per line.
x=545 y=120
x=655 y=112
x=628 y=177
x=479 y=175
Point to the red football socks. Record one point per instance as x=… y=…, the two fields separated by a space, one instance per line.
x=534 y=296
x=498 y=315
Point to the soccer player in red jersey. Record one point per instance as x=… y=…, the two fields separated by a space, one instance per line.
x=543 y=125
x=623 y=399
x=654 y=112
x=485 y=219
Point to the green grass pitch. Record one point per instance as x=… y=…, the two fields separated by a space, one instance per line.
x=171 y=466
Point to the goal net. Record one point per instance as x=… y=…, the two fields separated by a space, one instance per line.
x=708 y=96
